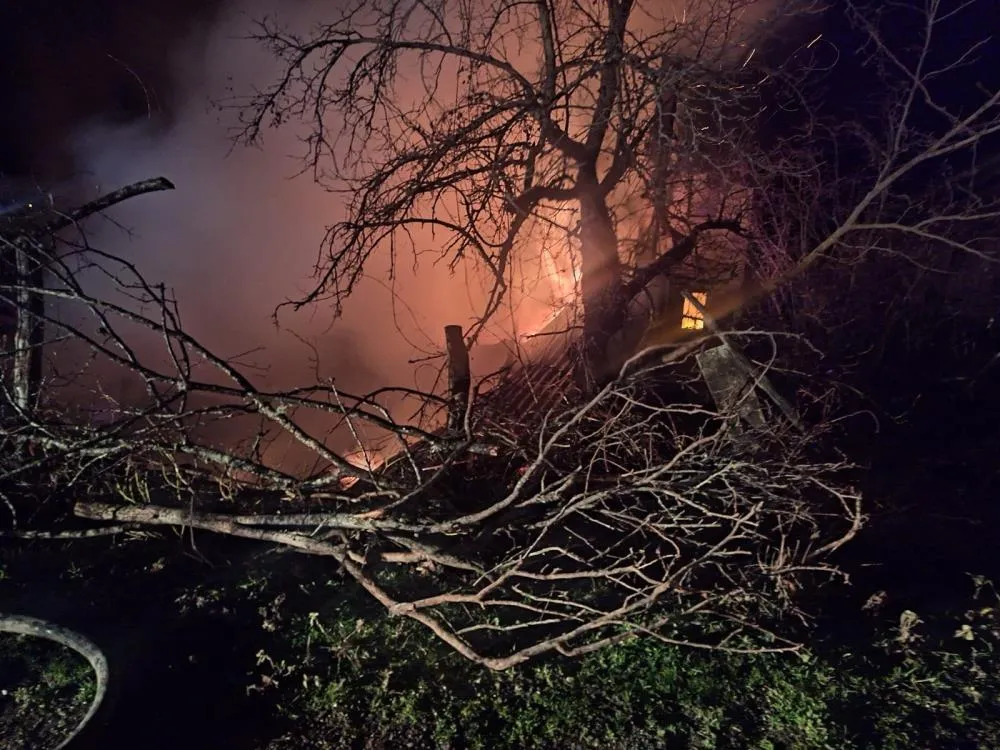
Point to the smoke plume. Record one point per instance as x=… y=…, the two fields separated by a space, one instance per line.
x=241 y=233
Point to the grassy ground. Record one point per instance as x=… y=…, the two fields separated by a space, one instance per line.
x=911 y=684
x=272 y=653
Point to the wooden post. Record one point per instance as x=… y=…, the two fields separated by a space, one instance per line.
x=459 y=376
x=8 y=325
x=26 y=373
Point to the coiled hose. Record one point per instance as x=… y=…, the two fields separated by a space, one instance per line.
x=87 y=649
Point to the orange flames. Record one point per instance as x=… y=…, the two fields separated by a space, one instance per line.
x=563 y=277
x=368 y=459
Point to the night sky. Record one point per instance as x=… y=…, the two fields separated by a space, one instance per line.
x=65 y=61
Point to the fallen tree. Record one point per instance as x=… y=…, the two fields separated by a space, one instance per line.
x=610 y=516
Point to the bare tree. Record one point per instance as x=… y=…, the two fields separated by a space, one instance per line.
x=635 y=128
x=620 y=123
x=27 y=250
x=898 y=178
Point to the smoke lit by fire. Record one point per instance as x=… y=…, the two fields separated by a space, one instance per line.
x=241 y=232
x=367 y=459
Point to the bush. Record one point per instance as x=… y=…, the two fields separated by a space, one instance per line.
x=354 y=681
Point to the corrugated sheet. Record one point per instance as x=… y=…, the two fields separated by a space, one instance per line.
x=542 y=377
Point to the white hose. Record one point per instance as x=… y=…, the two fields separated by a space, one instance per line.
x=88 y=650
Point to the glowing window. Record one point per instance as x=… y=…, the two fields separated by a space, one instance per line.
x=691 y=318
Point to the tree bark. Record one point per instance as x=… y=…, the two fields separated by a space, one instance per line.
x=600 y=278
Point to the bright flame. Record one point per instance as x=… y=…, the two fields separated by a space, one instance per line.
x=563 y=285
x=692 y=319
x=369 y=459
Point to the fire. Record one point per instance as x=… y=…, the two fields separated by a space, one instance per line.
x=563 y=281
x=562 y=278
x=691 y=317
x=564 y=284
x=368 y=459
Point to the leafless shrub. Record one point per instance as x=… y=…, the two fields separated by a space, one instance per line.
x=601 y=518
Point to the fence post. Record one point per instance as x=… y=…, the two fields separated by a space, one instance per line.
x=459 y=376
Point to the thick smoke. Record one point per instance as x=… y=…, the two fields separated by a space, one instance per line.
x=241 y=234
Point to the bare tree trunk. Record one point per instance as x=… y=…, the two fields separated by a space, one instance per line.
x=600 y=279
